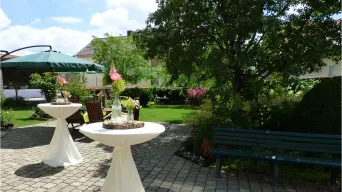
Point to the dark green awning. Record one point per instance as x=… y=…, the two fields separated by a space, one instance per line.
x=51 y=61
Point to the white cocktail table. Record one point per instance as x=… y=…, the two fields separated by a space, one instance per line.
x=122 y=175
x=62 y=150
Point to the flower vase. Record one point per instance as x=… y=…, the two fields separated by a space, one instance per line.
x=130 y=116
x=58 y=96
x=116 y=109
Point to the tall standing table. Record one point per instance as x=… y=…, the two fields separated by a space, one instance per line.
x=62 y=150
x=123 y=174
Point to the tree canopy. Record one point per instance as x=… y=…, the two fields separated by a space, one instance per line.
x=241 y=43
x=123 y=53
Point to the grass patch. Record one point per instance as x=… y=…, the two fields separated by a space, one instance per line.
x=162 y=113
x=156 y=113
x=165 y=113
x=22 y=118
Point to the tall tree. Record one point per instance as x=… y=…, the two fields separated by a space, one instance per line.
x=240 y=43
x=124 y=54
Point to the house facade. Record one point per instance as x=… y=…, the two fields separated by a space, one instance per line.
x=331 y=69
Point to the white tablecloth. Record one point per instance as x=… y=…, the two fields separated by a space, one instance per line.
x=62 y=150
x=122 y=175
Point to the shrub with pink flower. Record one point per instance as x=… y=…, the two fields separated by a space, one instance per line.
x=61 y=80
x=195 y=96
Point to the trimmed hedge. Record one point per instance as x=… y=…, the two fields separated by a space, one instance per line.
x=176 y=95
x=320 y=109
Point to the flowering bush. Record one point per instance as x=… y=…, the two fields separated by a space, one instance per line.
x=118 y=84
x=195 y=96
x=61 y=80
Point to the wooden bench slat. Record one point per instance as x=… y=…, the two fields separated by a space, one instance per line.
x=327 y=136
x=294 y=148
x=277 y=157
x=277 y=137
x=320 y=147
x=273 y=140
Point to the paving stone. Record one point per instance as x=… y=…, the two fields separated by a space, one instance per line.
x=159 y=169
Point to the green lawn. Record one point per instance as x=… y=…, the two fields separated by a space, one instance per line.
x=157 y=113
x=165 y=113
x=162 y=113
x=22 y=118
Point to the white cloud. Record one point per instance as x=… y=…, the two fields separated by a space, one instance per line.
x=120 y=16
x=35 y=21
x=67 y=41
x=4 y=20
x=67 y=20
x=115 y=21
x=148 y=6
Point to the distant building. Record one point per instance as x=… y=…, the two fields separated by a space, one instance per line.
x=330 y=70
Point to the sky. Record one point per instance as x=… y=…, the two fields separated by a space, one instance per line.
x=67 y=25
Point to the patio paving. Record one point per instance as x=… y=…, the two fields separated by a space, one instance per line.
x=159 y=169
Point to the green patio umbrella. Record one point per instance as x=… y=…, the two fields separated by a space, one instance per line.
x=50 y=61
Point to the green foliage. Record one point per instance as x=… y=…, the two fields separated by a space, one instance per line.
x=6 y=117
x=12 y=102
x=46 y=82
x=202 y=123
x=145 y=95
x=118 y=87
x=2 y=99
x=286 y=171
x=240 y=43
x=39 y=114
x=174 y=94
x=278 y=100
x=150 y=104
x=128 y=104
x=123 y=53
x=320 y=109
x=142 y=93
x=77 y=87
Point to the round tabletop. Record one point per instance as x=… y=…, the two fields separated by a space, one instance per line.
x=116 y=137
x=60 y=111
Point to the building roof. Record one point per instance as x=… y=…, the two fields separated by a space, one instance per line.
x=88 y=49
x=7 y=57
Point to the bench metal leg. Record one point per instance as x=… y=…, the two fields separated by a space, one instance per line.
x=276 y=172
x=341 y=181
x=218 y=167
x=333 y=177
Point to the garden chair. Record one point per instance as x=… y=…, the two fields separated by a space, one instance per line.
x=107 y=91
x=94 y=110
x=76 y=117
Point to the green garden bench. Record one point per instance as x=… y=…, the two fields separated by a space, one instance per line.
x=271 y=146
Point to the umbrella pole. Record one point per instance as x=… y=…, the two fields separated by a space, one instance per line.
x=7 y=52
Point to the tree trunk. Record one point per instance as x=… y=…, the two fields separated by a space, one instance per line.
x=1 y=84
x=237 y=81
